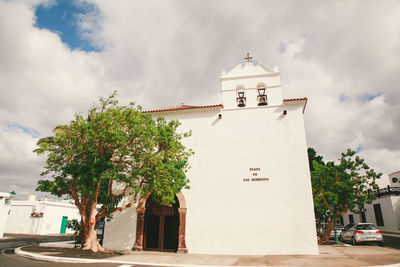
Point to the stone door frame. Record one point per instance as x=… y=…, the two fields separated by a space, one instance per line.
x=141 y=208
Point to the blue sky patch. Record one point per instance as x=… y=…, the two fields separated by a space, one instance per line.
x=30 y=131
x=369 y=97
x=344 y=98
x=62 y=17
x=282 y=48
x=364 y=97
x=359 y=148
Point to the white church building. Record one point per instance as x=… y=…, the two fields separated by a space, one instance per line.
x=250 y=190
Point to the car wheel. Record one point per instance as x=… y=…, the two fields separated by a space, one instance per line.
x=353 y=241
x=381 y=244
x=340 y=238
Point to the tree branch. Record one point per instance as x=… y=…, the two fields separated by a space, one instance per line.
x=75 y=196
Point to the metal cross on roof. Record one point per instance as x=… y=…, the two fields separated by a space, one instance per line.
x=248 y=57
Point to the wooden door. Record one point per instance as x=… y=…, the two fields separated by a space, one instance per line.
x=161 y=227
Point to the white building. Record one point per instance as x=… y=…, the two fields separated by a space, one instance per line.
x=4 y=208
x=250 y=180
x=38 y=217
x=384 y=211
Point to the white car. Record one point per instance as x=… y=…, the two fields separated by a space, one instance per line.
x=339 y=229
x=361 y=233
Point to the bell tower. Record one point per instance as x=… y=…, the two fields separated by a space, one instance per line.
x=251 y=85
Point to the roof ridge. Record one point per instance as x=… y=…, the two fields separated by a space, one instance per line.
x=183 y=107
x=295 y=99
x=298 y=99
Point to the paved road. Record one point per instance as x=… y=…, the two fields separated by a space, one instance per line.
x=9 y=259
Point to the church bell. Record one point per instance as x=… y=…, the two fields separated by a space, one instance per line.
x=262 y=97
x=241 y=99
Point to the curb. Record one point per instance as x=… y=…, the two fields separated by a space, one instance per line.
x=60 y=244
x=30 y=255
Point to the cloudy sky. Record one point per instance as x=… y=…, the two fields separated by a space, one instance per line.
x=58 y=57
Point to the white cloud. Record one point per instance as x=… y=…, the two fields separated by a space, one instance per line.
x=162 y=53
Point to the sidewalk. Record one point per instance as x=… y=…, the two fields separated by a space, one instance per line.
x=329 y=256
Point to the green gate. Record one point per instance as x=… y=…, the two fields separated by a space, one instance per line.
x=63 y=224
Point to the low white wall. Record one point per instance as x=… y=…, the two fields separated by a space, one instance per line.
x=53 y=215
x=120 y=233
x=3 y=212
x=20 y=220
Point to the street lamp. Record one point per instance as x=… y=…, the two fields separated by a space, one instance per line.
x=11 y=196
x=334 y=227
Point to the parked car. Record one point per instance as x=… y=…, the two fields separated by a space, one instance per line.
x=320 y=227
x=361 y=233
x=339 y=229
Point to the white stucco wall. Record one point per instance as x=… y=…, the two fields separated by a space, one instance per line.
x=390 y=206
x=20 y=220
x=225 y=214
x=4 y=208
x=53 y=215
x=249 y=77
x=396 y=210
x=120 y=233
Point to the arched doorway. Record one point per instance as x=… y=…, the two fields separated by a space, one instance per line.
x=161 y=228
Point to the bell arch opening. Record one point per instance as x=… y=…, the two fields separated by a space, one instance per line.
x=161 y=228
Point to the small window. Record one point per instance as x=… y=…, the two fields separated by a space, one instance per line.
x=351 y=218
x=395 y=179
x=378 y=215
x=366 y=227
x=347 y=227
x=363 y=219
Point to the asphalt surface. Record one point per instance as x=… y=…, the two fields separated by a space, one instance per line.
x=9 y=259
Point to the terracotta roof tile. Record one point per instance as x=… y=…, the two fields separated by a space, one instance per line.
x=297 y=99
x=185 y=107
x=182 y=107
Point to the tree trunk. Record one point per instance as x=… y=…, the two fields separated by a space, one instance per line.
x=82 y=233
x=91 y=241
x=89 y=231
x=325 y=235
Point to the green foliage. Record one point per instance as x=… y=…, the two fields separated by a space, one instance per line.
x=114 y=145
x=313 y=156
x=338 y=187
x=319 y=207
x=76 y=227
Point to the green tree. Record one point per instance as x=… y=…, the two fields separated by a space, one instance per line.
x=313 y=156
x=319 y=208
x=342 y=186
x=115 y=152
